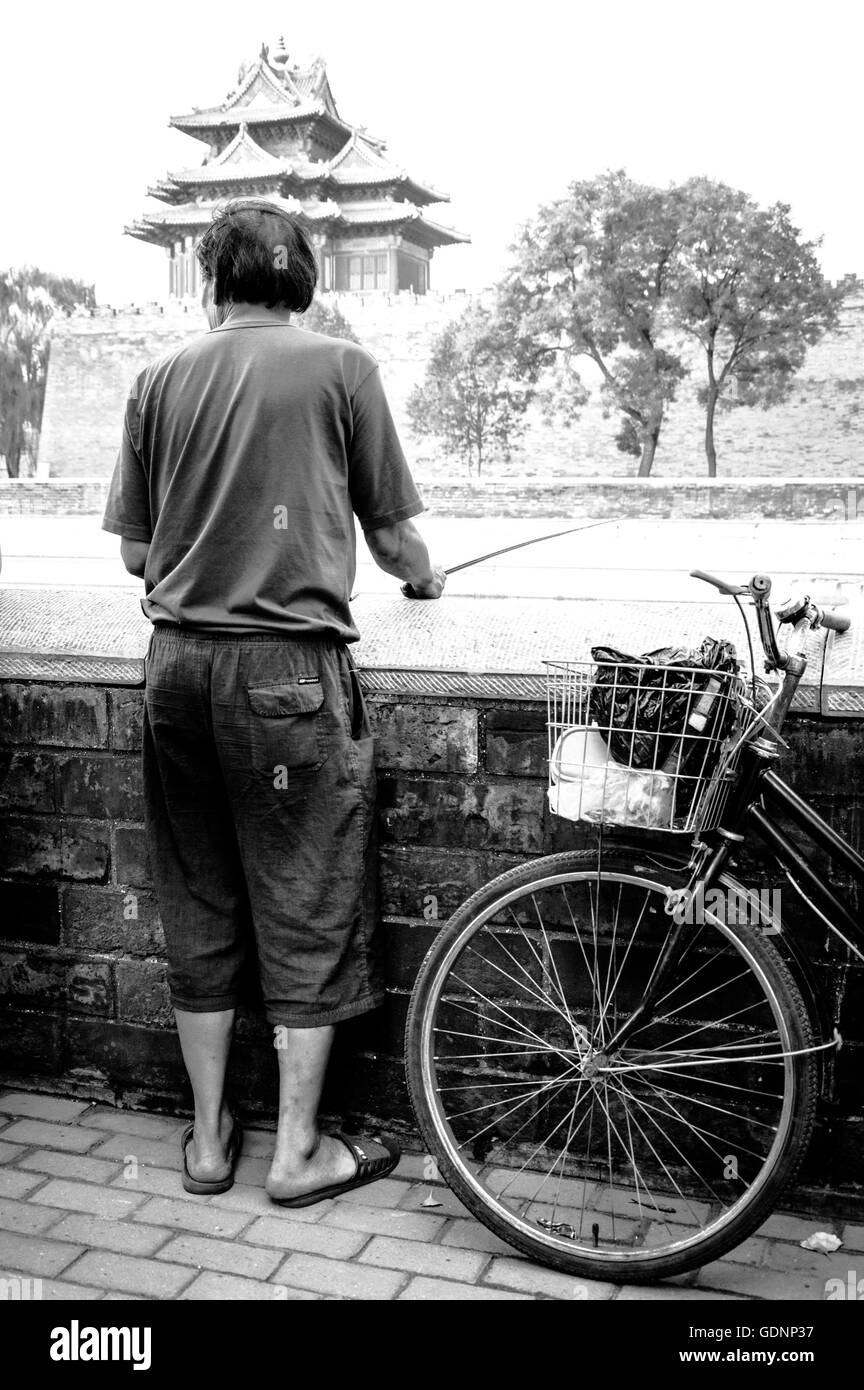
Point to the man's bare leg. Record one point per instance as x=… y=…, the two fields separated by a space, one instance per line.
x=304 y=1159
x=205 y=1040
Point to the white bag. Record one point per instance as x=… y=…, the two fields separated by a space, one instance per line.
x=588 y=784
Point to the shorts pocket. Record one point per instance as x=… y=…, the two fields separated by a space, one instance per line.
x=356 y=713
x=286 y=698
x=289 y=723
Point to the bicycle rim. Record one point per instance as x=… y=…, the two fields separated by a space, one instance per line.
x=650 y=1161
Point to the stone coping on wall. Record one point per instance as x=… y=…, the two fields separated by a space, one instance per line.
x=481 y=647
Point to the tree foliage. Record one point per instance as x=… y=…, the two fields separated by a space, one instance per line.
x=621 y=274
x=750 y=292
x=590 y=279
x=30 y=300
x=327 y=318
x=470 y=397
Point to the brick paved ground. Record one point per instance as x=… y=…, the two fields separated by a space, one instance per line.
x=91 y=1203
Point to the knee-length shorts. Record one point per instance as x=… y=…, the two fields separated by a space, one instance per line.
x=259 y=800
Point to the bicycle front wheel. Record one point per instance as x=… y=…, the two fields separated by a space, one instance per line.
x=632 y=1165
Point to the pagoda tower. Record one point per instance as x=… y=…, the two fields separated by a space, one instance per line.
x=279 y=136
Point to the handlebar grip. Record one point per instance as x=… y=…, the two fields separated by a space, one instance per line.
x=837 y=622
x=722 y=584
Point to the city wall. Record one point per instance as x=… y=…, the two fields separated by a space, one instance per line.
x=758 y=499
x=817 y=433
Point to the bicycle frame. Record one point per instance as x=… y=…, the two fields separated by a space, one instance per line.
x=779 y=798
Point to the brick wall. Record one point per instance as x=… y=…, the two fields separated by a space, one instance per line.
x=91 y=366
x=759 y=499
x=738 y=499
x=462 y=798
x=69 y=497
x=817 y=432
x=94 y=358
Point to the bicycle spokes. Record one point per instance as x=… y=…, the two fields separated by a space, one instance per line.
x=641 y=1148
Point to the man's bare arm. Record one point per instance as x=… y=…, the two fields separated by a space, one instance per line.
x=401 y=551
x=134 y=555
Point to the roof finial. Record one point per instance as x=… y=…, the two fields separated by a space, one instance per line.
x=281 y=54
x=263 y=55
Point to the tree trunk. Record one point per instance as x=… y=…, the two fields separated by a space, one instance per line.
x=467 y=450
x=649 y=449
x=710 y=450
x=710 y=408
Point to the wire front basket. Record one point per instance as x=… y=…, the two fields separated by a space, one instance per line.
x=654 y=747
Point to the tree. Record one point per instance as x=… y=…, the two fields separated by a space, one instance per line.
x=30 y=301
x=329 y=319
x=470 y=397
x=591 y=280
x=751 y=293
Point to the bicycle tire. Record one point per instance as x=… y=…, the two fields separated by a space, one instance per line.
x=768 y=969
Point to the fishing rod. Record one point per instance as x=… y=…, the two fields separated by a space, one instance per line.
x=520 y=545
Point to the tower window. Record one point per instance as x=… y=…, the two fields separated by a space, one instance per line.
x=362 y=272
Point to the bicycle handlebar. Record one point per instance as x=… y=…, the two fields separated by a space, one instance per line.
x=800 y=613
x=837 y=622
x=722 y=584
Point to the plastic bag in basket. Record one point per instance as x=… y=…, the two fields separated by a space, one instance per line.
x=587 y=784
x=652 y=716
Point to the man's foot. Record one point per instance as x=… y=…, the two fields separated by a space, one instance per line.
x=293 y=1175
x=206 y=1155
x=337 y=1164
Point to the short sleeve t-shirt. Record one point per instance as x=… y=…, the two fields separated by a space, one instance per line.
x=244 y=458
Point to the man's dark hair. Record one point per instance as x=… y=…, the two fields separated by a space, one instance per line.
x=254 y=253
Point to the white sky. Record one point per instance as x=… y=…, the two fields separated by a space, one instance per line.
x=502 y=106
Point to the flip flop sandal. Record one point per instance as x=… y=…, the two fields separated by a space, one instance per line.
x=211 y=1189
x=368 y=1170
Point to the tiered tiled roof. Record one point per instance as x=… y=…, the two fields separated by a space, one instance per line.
x=270 y=91
x=280 y=135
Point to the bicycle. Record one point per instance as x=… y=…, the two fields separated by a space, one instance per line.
x=614 y=1067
